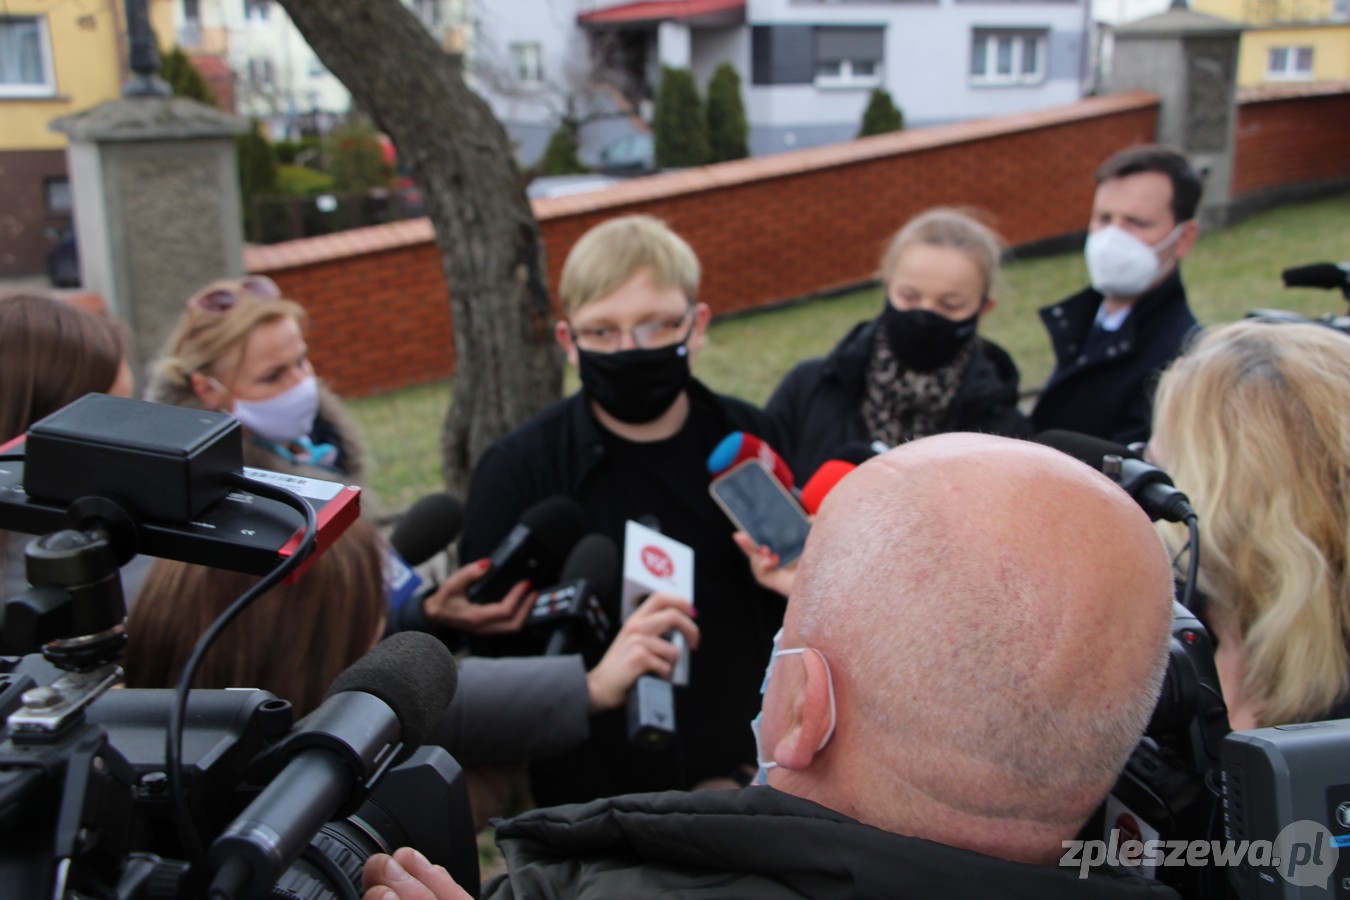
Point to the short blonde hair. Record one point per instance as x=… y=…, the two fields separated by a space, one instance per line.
x=1251 y=423
x=203 y=338
x=613 y=251
x=948 y=227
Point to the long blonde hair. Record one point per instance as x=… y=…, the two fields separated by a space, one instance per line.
x=1252 y=423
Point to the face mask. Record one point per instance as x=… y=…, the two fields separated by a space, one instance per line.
x=288 y=416
x=923 y=339
x=635 y=386
x=762 y=774
x=1120 y=264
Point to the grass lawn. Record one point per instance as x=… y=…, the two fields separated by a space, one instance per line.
x=1227 y=274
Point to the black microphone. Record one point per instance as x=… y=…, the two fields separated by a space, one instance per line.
x=589 y=578
x=1318 y=275
x=376 y=713
x=428 y=527
x=1150 y=486
x=535 y=549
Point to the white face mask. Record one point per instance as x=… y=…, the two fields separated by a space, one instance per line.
x=288 y=416
x=762 y=774
x=1120 y=264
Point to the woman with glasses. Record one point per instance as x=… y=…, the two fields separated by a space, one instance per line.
x=632 y=444
x=240 y=348
x=918 y=368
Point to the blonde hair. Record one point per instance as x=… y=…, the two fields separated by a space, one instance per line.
x=1252 y=423
x=203 y=338
x=948 y=227
x=613 y=251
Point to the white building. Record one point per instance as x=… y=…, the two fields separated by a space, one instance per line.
x=807 y=66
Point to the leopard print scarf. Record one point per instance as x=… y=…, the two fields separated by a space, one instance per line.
x=900 y=404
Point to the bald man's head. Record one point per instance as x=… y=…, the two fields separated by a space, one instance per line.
x=996 y=615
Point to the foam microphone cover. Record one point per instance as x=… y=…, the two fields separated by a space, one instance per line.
x=413 y=673
x=1317 y=275
x=595 y=558
x=740 y=446
x=830 y=473
x=555 y=524
x=428 y=527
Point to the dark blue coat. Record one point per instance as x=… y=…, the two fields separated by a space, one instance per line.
x=1108 y=390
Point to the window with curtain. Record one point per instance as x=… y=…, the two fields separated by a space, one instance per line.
x=25 y=57
x=1007 y=56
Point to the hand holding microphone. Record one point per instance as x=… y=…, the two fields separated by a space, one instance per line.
x=641 y=648
x=449 y=604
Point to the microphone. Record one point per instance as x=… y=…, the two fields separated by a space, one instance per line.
x=1318 y=275
x=741 y=445
x=375 y=714
x=535 y=549
x=590 y=575
x=1150 y=486
x=428 y=527
x=830 y=473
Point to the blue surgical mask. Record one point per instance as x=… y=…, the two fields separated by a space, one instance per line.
x=762 y=773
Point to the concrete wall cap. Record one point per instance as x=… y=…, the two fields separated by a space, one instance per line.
x=149 y=118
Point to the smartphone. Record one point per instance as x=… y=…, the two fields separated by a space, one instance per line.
x=760 y=506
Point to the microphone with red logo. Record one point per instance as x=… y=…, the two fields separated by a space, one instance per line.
x=740 y=446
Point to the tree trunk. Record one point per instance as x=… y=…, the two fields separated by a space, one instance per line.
x=507 y=367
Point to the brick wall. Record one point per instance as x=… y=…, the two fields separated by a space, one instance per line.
x=1291 y=135
x=765 y=229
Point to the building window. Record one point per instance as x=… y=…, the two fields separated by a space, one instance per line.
x=192 y=12
x=260 y=72
x=1289 y=64
x=257 y=11
x=56 y=196
x=849 y=57
x=527 y=63
x=25 y=57
x=429 y=13
x=1007 y=56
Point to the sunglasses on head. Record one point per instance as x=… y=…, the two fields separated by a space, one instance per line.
x=222 y=298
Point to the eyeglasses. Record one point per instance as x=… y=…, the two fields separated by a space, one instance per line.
x=225 y=296
x=647 y=335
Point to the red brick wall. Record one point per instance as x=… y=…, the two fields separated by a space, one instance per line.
x=765 y=229
x=1286 y=139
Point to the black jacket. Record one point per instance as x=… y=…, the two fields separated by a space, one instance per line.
x=818 y=405
x=565 y=452
x=760 y=842
x=1108 y=391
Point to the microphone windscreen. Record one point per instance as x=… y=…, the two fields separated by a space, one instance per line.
x=726 y=453
x=595 y=558
x=1084 y=447
x=830 y=473
x=413 y=673
x=556 y=524
x=428 y=527
x=1318 y=275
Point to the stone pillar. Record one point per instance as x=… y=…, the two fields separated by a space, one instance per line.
x=1188 y=59
x=157 y=214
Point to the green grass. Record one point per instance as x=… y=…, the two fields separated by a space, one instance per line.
x=1228 y=273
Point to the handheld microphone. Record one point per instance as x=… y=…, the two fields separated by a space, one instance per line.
x=740 y=446
x=590 y=575
x=830 y=473
x=1150 y=486
x=534 y=550
x=654 y=562
x=1318 y=275
x=428 y=527
x=376 y=713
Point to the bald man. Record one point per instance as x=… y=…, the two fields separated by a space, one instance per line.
x=973 y=645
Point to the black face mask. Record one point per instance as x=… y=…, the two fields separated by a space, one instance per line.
x=635 y=386
x=924 y=340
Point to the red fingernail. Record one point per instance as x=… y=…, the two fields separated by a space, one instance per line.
x=483 y=564
x=693 y=610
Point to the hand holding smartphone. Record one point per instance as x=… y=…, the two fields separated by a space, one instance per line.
x=759 y=505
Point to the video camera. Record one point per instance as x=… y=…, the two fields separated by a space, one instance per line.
x=109 y=793
x=1327 y=276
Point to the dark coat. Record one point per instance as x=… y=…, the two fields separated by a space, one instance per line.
x=818 y=406
x=1108 y=391
x=760 y=842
